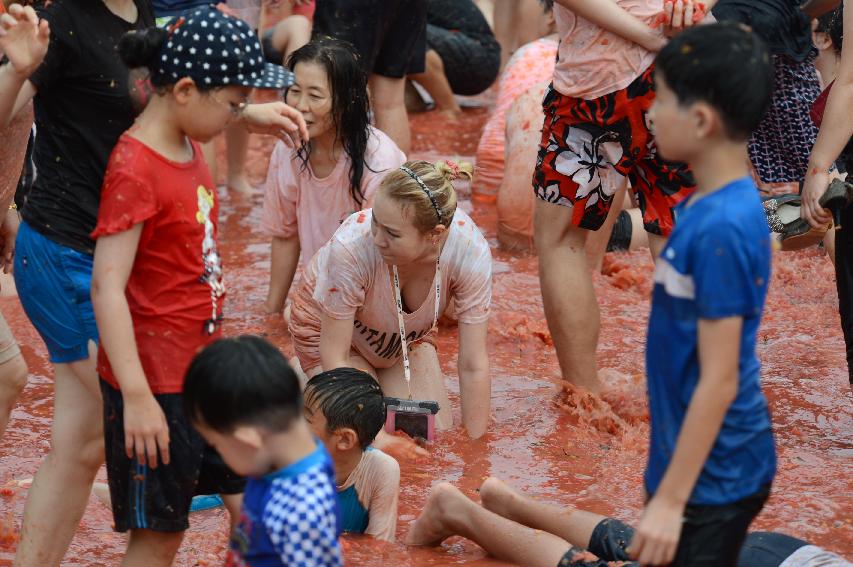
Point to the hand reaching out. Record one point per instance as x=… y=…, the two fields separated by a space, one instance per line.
x=24 y=39
x=276 y=119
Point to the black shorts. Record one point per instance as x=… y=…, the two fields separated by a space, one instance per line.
x=389 y=35
x=711 y=536
x=768 y=549
x=471 y=64
x=159 y=499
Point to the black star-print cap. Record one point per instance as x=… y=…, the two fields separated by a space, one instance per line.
x=217 y=50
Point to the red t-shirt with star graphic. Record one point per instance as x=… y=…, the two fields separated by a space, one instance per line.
x=175 y=289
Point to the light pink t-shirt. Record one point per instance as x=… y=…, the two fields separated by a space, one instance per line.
x=594 y=62
x=298 y=202
x=349 y=279
x=376 y=479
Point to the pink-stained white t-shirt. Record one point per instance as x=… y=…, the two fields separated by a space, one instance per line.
x=348 y=279
x=376 y=481
x=298 y=202
x=594 y=62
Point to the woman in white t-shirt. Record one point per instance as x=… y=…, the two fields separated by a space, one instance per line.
x=346 y=313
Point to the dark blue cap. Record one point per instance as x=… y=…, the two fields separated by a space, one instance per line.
x=216 y=50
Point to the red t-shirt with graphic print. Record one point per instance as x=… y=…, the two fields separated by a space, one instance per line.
x=175 y=289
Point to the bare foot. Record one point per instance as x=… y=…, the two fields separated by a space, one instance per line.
x=451 y=113
x=498 y=497
x=240 y=185
x=270 y=308
x=101 y=490
x=433 y=526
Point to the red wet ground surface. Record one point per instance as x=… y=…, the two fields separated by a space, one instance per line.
x=555 y=445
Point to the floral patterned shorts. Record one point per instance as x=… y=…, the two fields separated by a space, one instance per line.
x=588 y=147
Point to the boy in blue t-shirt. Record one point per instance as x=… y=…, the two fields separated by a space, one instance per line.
x=712 y=457
x=244 y=399
x=346 y=410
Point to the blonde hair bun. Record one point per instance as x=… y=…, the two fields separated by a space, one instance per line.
x=452 y=170
x=428 y=191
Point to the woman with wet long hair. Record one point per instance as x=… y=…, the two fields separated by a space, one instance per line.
x=312 y=189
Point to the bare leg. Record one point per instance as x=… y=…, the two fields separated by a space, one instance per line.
x=435 y=82
x=656 y=244
x=639 y=236
x=574 y=526
x=829 y=245
x=528 y=17
x=290 y=34
x=237 y=147
x=505 y=33
x=568 y=296
x=146 y=548
x=448 y=512
x=61 y=487
x=13 y=380
x=596 y=242
x=429 y=384
x=389 y=103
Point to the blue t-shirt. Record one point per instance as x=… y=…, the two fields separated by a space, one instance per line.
x=716 y=264
x=290 y=517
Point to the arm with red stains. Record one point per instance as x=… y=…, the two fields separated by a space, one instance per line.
x=145 y=426
x=836 y=129
x=24 y=40
x=656 y=539
x=335 y=343
x=475 y=386
x=609 y=15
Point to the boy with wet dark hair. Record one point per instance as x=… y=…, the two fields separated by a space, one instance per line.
x=346 y=410
x=244 y=399
x=712 y=457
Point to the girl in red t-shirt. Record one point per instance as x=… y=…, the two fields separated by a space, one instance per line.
x=157 y=285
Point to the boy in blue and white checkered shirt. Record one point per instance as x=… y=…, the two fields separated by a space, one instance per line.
x=244 y=399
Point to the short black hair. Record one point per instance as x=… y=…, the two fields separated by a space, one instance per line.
x=832 y=24
x=242 y=381
x=724 y=65
x=348 y=398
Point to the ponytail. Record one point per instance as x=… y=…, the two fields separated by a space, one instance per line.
x=141 y=48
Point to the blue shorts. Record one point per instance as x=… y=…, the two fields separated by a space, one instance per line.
x=54 y=284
